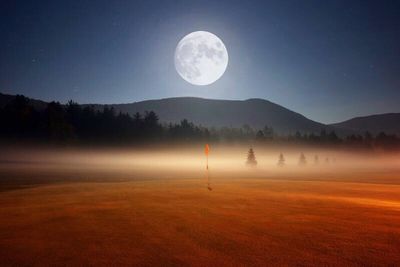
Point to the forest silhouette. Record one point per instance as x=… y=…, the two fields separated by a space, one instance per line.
x=76 y=124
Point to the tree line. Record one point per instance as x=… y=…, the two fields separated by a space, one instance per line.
x=84 y=124
x=74 y=123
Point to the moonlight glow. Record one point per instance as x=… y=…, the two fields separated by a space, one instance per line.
x=201 y=58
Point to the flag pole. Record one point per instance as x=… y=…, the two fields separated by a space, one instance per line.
x=207 y=151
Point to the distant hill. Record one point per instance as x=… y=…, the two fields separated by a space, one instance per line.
x=388 y=123
x=256 y=113
x=5 y=99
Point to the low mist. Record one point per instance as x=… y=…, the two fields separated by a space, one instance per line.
x=188 y=160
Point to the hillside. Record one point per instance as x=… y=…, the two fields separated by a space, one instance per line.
x=388 y=123
x=5 y=99
x=256 y=113
x=230 y=113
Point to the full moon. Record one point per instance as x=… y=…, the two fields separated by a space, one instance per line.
x=201 y=58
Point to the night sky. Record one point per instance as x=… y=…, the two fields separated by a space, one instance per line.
x=329 y=60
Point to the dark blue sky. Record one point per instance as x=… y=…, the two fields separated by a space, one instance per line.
x=329 y=60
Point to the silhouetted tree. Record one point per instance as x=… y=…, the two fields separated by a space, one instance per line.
x=368 y=140
x=281 y=160
x=386 y=142
x=260 y=136
x=333 y=138
x=247 y=129
x=268 y=132
x=302 y=160
x=323 y=135
x=187 y=131
x=21 y=120
x=298 y=136
x=56 y=121
x=251 y=158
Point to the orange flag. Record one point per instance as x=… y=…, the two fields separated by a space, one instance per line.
x=207 y=149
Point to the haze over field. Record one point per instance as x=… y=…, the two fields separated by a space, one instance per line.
x=143 y=207
x=31 y=166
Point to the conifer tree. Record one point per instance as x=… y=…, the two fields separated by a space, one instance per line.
x=281 y=160
x=302 y=160
x=251 y=158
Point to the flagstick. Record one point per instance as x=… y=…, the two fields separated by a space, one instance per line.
x=208 y=176
x=206 y=150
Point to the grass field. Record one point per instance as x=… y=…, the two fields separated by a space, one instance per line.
x=107 y=214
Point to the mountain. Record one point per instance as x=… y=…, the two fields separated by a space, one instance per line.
x=256 y=113
x=5 y=99
x=388 y=123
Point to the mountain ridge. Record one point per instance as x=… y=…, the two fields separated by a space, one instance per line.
x=376 y=123
x=255 y=112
